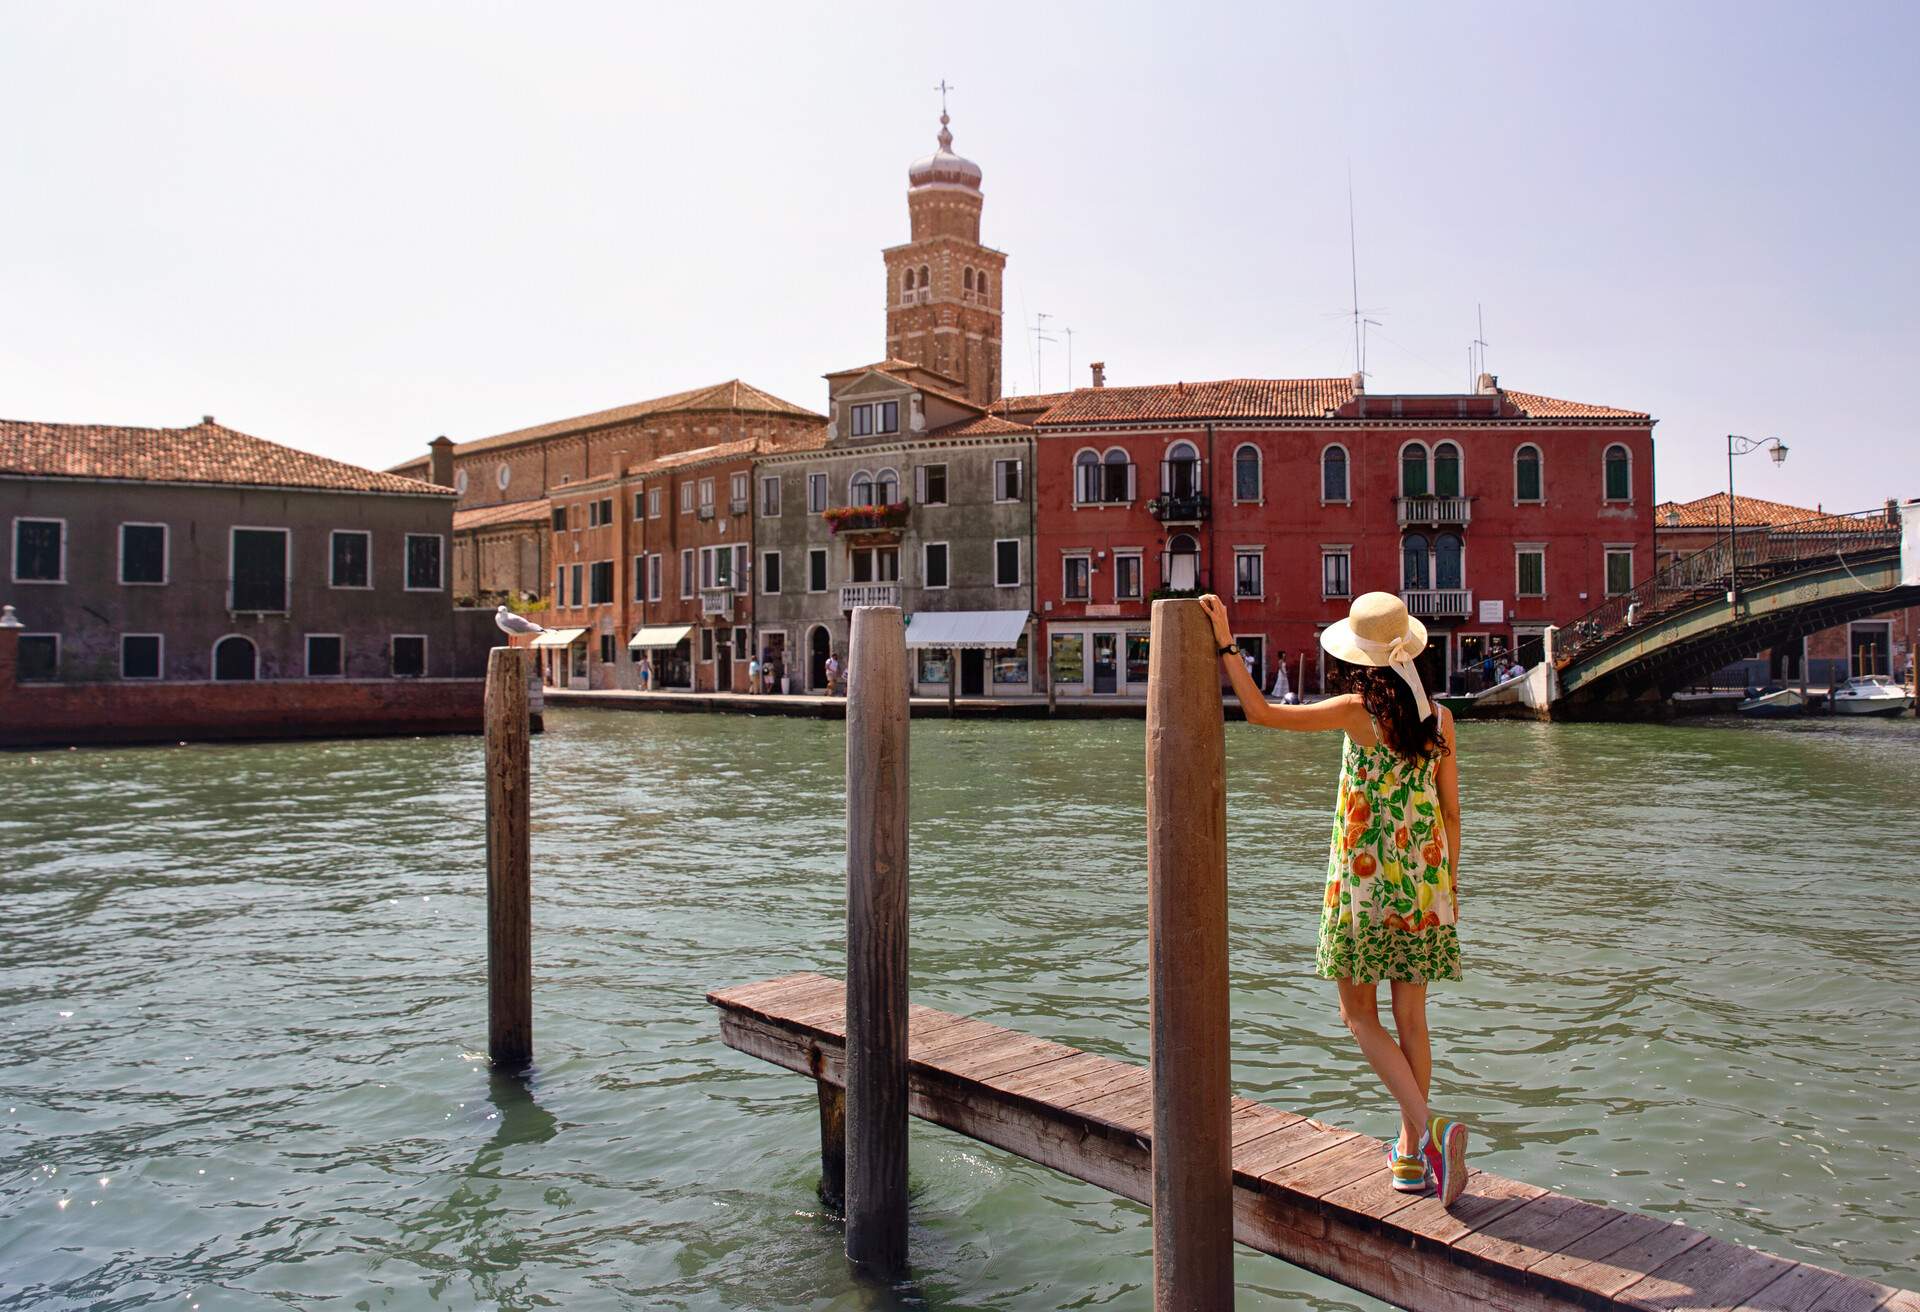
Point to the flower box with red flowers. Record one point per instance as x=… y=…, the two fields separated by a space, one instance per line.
x=860 y=519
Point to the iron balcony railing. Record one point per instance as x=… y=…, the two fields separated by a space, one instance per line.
x=1434 y=511
x=855 y=595
x=706 y=510
x=1761 y=552
x=1438 y=603
x=716 y=601
x=1181 y=500
x=737 y=506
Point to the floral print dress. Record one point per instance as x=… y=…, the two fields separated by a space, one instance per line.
x=1390 y=906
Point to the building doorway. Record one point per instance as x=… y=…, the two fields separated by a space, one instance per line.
x=723 y=666
x=819 y=647
x=1432 y=663
x=1256 y=647
x=973 y=673
x=776 y=661
x=1871 y=645
x=1106 y=662
x=234 y=660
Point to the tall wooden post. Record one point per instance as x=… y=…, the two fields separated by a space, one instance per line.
x=953 y=678
x=1187 y=964
x=509 y=866
x=876 y=1111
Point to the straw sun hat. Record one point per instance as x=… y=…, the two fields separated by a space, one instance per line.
x=1378 y=631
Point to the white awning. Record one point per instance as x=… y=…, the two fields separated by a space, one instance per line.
x=559 y=637
x=994 y=630
x=660 y=635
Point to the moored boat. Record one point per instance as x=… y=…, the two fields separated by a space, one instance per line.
x=1777 y=704
x=1869 y=694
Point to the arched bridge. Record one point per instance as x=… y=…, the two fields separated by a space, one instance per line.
x=1774 y=585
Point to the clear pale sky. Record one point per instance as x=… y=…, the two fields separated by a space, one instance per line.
x=349 y=227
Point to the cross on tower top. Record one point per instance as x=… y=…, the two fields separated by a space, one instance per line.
x=943 y=88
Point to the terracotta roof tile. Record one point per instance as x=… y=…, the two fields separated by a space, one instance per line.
x=700 y=455
x=1711 y=512
x=1232 y=398
x=1547 y=407
x=205 y=453
x=982 y=426
x=728 y=397
x=537 y=510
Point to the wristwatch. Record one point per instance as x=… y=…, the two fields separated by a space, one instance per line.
x=1233 y=647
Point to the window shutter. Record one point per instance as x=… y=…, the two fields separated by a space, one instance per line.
x=920 y=484
x=1130 y=480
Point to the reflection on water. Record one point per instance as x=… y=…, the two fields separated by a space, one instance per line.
x=242 y=992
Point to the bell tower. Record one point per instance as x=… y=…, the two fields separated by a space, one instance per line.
x=943 y=286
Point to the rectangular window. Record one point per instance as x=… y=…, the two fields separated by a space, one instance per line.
x=770 y=495
x=559 y=519
x=143 y=553
x=816 y=493
x=409 y=656
x=326 y=656
x=933 y=665
x=1249 y=578
x=423 y=562
x=574 y=584
x=737 y=493
x=653 y=578
x=593 y=514
x=740 y=651
x=39 y=658
x=1069 y=658
x=1006 y=562
x=886 y=417
x=706 y=644
x=606 y=649
x=933 y=485
x=1126 y=578
x=686 y=572
x=39 y=551
x=742 y=562
x=816 y=569
x=639 y=504
x=351 y=564
x=258 y=578
x=1530 y=572
x=560 y=585
x=686 y=498
x=600 y=583
x=139 y=655
x=770 y=573
x=1336 y=573
x=1619 y=570
x=653 y=503
x=933 y=570
x=1010 y=667
x=606 y=510
x=1077 y=581
x=706 y=493
x=639 y=578
x=1006 y=480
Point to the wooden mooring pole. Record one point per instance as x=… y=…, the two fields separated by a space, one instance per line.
x=1187 y=964
x=509 y=873
x=876 y=1104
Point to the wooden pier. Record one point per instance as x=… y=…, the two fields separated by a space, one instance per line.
x=1304 y=1191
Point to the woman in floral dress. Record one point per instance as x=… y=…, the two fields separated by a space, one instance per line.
x=1392 y=897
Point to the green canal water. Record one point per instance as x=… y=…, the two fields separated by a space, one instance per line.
x=241 y=1004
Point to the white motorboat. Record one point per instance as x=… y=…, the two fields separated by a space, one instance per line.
x=1870 y=694
x=1775 y=705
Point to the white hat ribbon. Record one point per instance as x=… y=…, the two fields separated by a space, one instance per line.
x=1395 y=655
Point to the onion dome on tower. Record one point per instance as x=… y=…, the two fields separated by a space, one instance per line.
x=943 y=167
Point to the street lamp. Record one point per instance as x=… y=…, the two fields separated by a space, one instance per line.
x=1740 y=446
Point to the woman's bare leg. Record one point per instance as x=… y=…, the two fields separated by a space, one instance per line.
x=1359 y=1008
x=1410 y=1028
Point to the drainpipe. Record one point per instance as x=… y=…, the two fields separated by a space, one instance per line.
x=1031 y=487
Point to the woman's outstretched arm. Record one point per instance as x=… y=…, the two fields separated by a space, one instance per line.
x=1447 y=779
x=1330 y=713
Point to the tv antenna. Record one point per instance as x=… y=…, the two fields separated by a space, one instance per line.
x=1353 y=262
x=1364 y=325
x=1040 y=339
x=1479 y=343
x=1069 y=333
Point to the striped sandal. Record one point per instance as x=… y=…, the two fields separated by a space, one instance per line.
x=1409 y=1174
x=1445 y=1147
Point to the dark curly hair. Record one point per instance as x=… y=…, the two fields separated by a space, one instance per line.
x=1389 y=701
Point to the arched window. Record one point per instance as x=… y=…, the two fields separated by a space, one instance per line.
x=1413 y=561
x=1181 y=571
x=1246 y=473
x=925 y=281
x=906 y=286
x=1086 y=477
x=1413 y=470
x=1333 y=474
x=1447 y=570
x=1619 y=470
x=1119 y=481
x=1526 y=474
x=860 y=489
x=967 y=280
x=234 y=659
x=1446 y=470
x=980 y=284
x=886 y=487
x=1180 y=475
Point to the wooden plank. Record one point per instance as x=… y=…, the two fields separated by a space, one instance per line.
x=1329 y=1169
x=1852 y=1294
x=1708 y=1275
x=1615 y=1256
x=1799 y=1290
x=1285 y=1146
x=987 y=1069
x=1487 y=1198
x=1536 y=1230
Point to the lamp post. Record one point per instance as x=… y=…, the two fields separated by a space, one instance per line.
x=1740 y=446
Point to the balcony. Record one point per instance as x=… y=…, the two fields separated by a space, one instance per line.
x=737 y=506
x=1439 y=603
x=1174 y=508
x=716 y=601
x=1434 y=511
x=855 y=595
x=706 y=511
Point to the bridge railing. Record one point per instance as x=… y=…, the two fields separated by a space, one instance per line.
x=1752 y=553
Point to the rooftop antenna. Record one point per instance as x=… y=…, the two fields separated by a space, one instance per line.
x=1069 y=333
x=1480 y=342
x=1040 y=339
x=1364 y=325
x=1353 y=260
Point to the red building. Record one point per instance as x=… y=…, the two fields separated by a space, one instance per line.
x=1494 y=514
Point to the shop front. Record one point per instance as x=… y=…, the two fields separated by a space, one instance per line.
x=668 y=651
x=970 y=653
x=1099 y=660
x=562 y=654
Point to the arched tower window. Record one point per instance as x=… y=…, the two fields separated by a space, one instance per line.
x=1333 y=474
x=1246 y=473
x=1619 y=473
x=1446 y=470
x=1413 y=471
x=906 y=287
x=980 y=285
x=1526 y=474
x=967 y=280
x=926 y=280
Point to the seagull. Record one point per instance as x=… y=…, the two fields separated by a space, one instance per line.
x=514 y=625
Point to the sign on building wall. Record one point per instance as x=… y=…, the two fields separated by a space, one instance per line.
x=1493 y=612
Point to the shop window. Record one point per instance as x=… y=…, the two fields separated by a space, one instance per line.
x=143 y=553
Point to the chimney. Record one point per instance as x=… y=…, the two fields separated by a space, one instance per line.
x=440 y=461
x=206 y=419
x=1488 y=385
x=1359 y=384
x=1099 y=373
